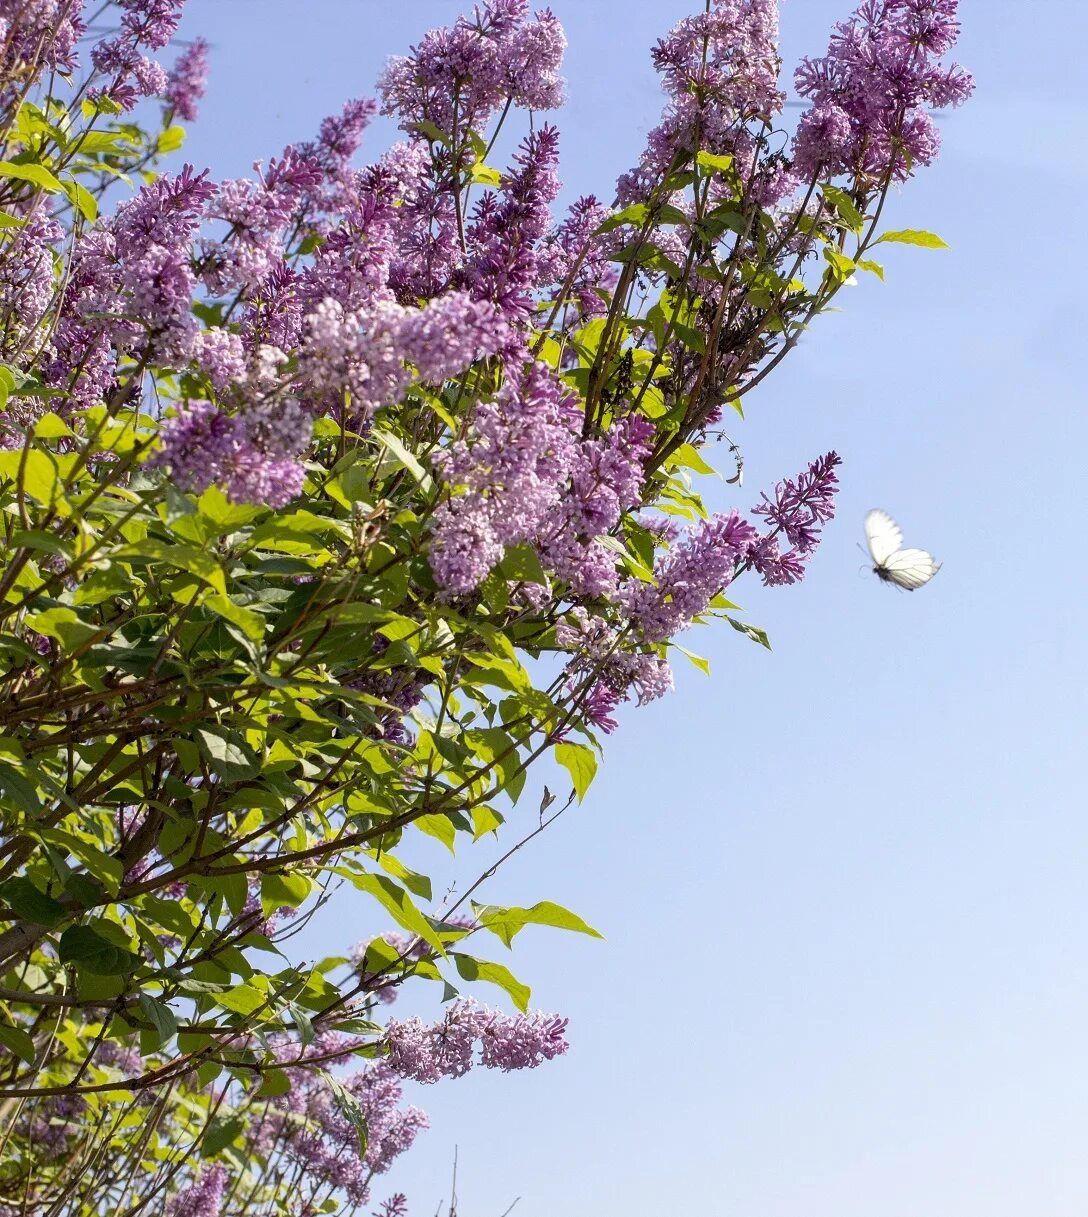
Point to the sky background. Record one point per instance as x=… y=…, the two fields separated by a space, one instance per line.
x=843 y=883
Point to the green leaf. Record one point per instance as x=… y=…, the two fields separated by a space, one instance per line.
x=520 y=563
x=39 y=472
x=874 y=268
x=222 y=1131
x=842 y=267
x=913 y=236
x=428 y=129
x=485 y=175
x=92 y=143
x=350 y=1108
x=404 y=458
x=30 y=904
x=702 y=664
x=83 y=945
x=399 y=905
x=243 y=999
x=38 y=174
x=182 y=557
x=485 y=820
x=82 y=200
x=227 y=753
x=283 y=891
x=750 y=631
x=439 y=827
x=102 y=104
x=250 y=623
x=580 y=762
x=65 y=625
x=844 y=205
x=713 y=162
x=508 y=923
x=635 y=214
x=109 y=871
x=494 y=973
x=687 y=456
x=14 y=786
x=275 y=1083
x=17 y=1041
x=159 y=1014
x=51 y=426
x=170 y=140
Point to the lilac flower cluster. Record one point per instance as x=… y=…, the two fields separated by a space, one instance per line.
x=720 y=72
x=204 y=1198
x=255 y=455
x=511 y=468
x=187 y=81
x=870 y=91
x=689 y=576
x=38 y=33
x=130 y=74
x=132 y=277
x=574 y=257
x=395 y=1206
x=309 y=1127
x=797 y=512
x=606 y=666
x=26 y=280
x=507 y=228
x=52 y=1126
x=526 y=474
x=458 y=77
x=426 y=1052
x=606 y=476
x=614 y=665
x=367 y=352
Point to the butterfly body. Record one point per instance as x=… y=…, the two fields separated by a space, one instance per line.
x=907 y=569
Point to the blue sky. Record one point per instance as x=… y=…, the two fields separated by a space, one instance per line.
x=846 y=967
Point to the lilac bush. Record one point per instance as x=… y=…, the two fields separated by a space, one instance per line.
x=334 y=498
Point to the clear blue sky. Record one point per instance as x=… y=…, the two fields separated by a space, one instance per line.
x=843 y=884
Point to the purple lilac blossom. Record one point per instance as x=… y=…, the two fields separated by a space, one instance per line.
x=510 y=469
x=254 y=455
x=187 y=80
x=426 y=1052
x=132 y=75
x=395 y=1206
x=691 y=573
x=316 y=1134
x=26 y=276
x=606 y=477
x=720 y=71
x=365 y=351
x=870 y=92
x=506 y=228
x=39 y=32
x=463 y=74
x=598 y=707
x=575 y=253
x=204 y=1198
x=797 y=513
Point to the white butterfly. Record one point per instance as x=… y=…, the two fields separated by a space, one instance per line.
x=906 y=568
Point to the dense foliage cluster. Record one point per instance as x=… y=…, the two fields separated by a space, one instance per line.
x=332 y=499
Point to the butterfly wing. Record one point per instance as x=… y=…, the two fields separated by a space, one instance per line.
x=910 y=568
x=882 y=535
